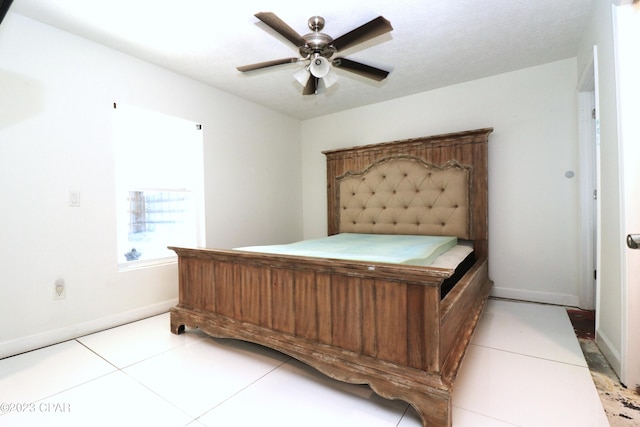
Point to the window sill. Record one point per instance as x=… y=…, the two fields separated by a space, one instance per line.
x=137 y=265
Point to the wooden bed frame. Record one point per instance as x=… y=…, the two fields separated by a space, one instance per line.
x=369 y=323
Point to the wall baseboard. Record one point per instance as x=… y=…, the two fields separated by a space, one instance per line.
x=609 y=352
x=55 y=336
x=533 y=296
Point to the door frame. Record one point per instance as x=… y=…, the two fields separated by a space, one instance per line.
x=589 y=182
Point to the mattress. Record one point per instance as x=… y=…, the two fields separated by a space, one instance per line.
x=395 y=249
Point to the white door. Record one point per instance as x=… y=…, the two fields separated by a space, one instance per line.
x=628 y=68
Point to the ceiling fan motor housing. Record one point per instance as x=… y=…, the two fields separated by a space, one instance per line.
x=317 y=42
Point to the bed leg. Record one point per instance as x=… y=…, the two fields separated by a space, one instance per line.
x=177 y=326
x=434 y=411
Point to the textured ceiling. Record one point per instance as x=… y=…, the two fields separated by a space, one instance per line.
x=433 y=43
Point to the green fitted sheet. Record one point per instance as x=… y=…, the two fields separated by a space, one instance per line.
x=395 y=249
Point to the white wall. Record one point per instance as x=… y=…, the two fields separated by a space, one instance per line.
x=56 y=96
x=609 y=308
x=533 y=207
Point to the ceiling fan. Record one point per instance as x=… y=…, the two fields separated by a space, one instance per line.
x=317 y=49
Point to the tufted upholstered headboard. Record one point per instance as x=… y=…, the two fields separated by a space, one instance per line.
x=406 y=195
x=435 y=185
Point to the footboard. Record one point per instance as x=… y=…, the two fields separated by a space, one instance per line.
x=375 y=324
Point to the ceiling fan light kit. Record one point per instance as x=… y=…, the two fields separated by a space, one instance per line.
x=319 y=66
x=316 y=50
x=330 y=79
x=302 y=75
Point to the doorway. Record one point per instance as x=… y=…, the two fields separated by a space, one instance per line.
x=588 y=126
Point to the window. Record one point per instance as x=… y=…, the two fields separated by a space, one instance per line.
x=159 y=185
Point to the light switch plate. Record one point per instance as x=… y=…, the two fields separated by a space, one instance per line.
x=74 y=199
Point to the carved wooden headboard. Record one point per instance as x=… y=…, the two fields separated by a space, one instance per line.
x=434 y=185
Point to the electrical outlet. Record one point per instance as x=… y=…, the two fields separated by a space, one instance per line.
x=59 y=289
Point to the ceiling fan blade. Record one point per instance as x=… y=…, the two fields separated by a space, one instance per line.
x=311 y=88
x=266 y=64
x=361 y=69
x=365 y=32
x=281 y=27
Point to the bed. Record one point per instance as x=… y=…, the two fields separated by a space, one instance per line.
x=403 y=329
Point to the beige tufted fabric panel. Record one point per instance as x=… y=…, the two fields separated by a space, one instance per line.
x=405 y=195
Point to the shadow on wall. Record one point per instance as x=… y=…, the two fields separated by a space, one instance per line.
x=20 y=98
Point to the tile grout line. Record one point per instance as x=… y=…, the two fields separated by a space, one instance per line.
x=532 y=357
x=244 y=388
x=121 y=370
x=81 y=383
x=94 y=352
x=486 y=416
x=403 y=415
x=153 y=391
x=76 y=385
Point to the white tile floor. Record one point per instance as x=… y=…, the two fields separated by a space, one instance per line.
x=524 y=368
